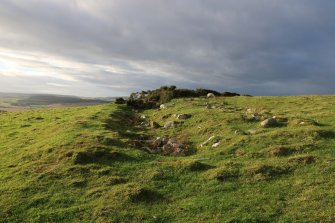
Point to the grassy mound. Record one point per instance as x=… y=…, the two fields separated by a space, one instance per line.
x=86 y=165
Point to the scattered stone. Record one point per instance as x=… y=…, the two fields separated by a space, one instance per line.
x=143 y=117
x=154 y=125
x=210 y=95
x=270 y=122
x=216 y=145
x=207 y=141
x=174 y=115
x=170 y=124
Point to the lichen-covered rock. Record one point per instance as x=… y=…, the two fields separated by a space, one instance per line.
x=270 y=122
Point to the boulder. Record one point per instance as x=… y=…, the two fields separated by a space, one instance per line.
x=270 y=122
x=210 y=95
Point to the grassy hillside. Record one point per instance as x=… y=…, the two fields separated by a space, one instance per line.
x=87 y=164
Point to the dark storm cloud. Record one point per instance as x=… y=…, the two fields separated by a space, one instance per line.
x=257 y=47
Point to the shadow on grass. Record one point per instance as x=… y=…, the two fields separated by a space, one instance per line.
x=100 y=156
x=124 y=121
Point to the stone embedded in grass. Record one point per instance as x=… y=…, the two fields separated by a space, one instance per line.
x=215 y=145
x=253 y=131
x=270 y=122
x=170 y=124
x=207 y=141
x=183 y=116
x=25 y=125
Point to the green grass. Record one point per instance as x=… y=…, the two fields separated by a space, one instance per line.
x=79 y=165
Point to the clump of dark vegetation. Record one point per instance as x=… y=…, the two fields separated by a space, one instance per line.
x=164 y=94
x=120 y=101
x=97 y=156
x=281 y=151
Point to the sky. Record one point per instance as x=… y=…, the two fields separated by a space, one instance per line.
x=115 y=47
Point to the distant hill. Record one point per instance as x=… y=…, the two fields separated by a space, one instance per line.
x=16 y=100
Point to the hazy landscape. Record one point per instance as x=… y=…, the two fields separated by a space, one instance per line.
x=20 y=102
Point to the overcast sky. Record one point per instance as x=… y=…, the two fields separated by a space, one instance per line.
x=114 y=47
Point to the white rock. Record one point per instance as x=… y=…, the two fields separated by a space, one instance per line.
x=210 y=95
x=216 y=144
x=162 y=106
x=207 y=141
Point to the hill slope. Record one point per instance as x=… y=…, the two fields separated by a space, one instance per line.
x=20 y=102
x=87 y=164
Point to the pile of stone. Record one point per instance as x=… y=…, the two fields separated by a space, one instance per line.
x=166 y=146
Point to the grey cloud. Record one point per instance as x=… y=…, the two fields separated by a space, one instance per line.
x=271 y=47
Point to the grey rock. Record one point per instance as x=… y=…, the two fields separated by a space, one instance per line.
x=270 y=122
x=182 y=116
x=170 y=124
